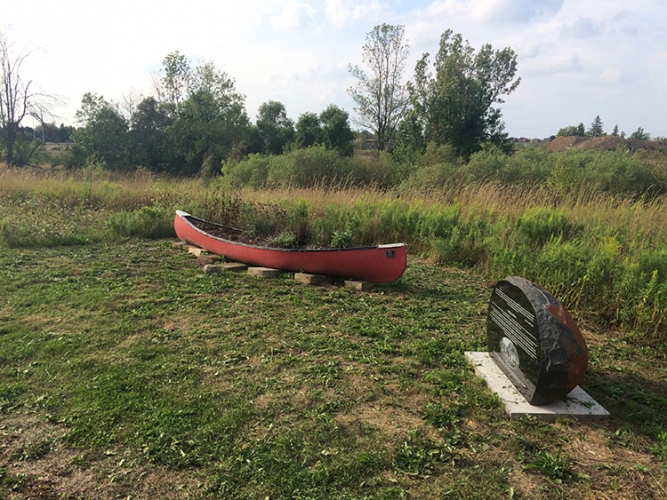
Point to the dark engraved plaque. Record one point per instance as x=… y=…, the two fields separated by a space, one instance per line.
x=535 y=341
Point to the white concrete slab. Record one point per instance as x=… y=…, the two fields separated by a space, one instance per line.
x=577 y=403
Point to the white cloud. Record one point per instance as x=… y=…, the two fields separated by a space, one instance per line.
x=554 y=65
x=582 y=28
x=343 y=12
x=295 y=16
x=494 y=11
x=610 y=76
x=514 y=11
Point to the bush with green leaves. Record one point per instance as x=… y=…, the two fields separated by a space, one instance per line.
x=532 y=165
x=252 y=171
x=466 y=244
x=618 y=172
x=341 y=239
x=484 y=165
x=286 y=239
x=147 y=222
x=307 y=167
x=540 y=224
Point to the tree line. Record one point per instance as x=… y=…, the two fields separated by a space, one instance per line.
x=596 y=129
x=196 y=119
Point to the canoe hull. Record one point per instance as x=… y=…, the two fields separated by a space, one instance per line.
x=377 y=264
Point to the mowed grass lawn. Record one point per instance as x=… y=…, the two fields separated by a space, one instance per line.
x=126 y=372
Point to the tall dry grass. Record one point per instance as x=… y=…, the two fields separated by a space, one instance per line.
x=605 y=256
x=113 y=190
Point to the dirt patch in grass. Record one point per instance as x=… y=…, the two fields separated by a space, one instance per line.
x=392 y=422
x=35 y=463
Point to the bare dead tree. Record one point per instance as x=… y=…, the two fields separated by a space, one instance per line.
x=18 y=100
x=156 y=84
x=129 y=102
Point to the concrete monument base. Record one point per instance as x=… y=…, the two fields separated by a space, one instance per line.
x=577 y=403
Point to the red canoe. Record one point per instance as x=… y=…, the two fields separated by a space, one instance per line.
x=381 y=263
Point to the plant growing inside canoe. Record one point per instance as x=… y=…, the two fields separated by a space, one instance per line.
x=381 y=263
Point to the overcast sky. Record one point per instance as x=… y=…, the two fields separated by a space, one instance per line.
x=576 y=58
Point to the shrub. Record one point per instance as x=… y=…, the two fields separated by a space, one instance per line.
x=532 y=165
x=618 y=172
x=341 y=239
x=649 y=262
x=511 y=260
x=378 y=172
x=569 y=172
x=147 y=222
x=286 y=239
x=434 y=176
x=642 y=293
x=437 y=221
x=465 y=245
x=308 y=167
x=253 y=171
x=439 y=153
x=485 y=165
x=541 y=224
x=561 y=269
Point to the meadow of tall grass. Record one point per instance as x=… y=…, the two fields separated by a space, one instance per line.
x=603 y=254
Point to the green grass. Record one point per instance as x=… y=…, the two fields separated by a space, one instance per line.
x=603 y=255
x=604 y=258
x=124 y=364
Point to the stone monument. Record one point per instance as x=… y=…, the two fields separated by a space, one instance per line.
x=534 y=341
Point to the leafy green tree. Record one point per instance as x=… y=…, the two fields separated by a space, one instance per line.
x=572 y=131
x=275 y=129
x=208 y=118
x=309 y=130
x=615 y=131
x=149 y=139
x=380 y=94
x=50 y=132
x=569 y=131
x=103 y=133
x=410 y=142
x=208 y=131
x=596 y=129
x=456 y=105
x=172 y=88
x=336 y=130
x=640 y=135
